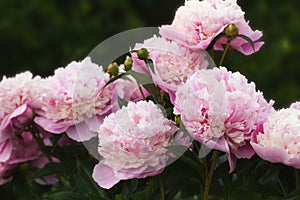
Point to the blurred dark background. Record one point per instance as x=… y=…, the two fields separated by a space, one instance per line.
x=41 y=36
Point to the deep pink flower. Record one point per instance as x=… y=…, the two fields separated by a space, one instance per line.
x=173 y=63
x=132 y=144
x=277 y=140
x=75 y=100
x=197 y=23
x=221 y=110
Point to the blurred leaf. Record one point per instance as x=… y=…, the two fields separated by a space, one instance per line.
x=48 y=169
x=65 y=196
x=122 y=102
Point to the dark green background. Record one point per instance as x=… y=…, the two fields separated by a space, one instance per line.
x=43 y=35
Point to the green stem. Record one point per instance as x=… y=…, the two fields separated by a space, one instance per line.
x=40 y=142
x=141 y=91
x=224 y=53
x=161 y=188
x=297 y=179
x=210 y=175
x=281 y=186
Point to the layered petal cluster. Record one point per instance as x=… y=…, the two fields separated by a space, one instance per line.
x=15 y=151
x=132 y=144
x=173 y=63
x=197 y=23
x=75 y=100
x=278 y=139
x=221 y=110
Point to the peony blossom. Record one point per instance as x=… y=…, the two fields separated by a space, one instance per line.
x=277 y=140
x=132 y=144
x=173 y=63
x=18 y=97
x=74 y=100
x=17 y=150
x=197 y=23
x=221 y=110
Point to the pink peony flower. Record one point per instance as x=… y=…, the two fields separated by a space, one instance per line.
x=75 y=100
x=18 y=96
x=17 y=150
x=197 y=23
x=277 y=140
x=173 y=63
x=221 y=110
x=132 y=144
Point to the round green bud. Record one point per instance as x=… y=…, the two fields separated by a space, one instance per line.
x=128 y=64
x=177 y=120
x=113 y=69
x=143 y=54
x=231 y=31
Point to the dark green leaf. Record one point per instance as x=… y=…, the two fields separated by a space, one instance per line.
x=114 y=78
x=150 y=64
x=122 y=102
x=65 y=196
x=50 y=168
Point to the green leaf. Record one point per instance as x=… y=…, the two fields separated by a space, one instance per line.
x=50 y=168
x=65 y=196
x=114 y=78
x=146 y=81
x=294 y=195
x=122 y=102
x=150 y=64
x=142 y=195
x=85 y=183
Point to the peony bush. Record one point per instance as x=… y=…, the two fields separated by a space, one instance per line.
x=167 y=123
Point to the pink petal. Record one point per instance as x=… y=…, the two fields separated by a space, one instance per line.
x=104 y=176
x=272 y=154
x=50 y=125
x=5 y=150
x=80 y=132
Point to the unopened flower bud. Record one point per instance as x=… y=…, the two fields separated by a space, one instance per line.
x=231 y=31
x=113 y=69
x=143 y=54
x=177 y=120
x=128 y=64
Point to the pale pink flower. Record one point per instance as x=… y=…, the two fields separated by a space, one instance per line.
x=197 y=23
x=132 y=144
x=278 y=139
x=74 y=100
x=17 y=150
x=18 y=97
x=221 y=110
x=173 y=63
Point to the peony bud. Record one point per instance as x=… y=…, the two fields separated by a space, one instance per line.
x=231 y=31
x=177 y=120
x=113 y=69
x=128 y=64
x=143 y=54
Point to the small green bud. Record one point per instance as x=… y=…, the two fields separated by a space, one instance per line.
x=113 y=69
x=177 y=120
x=143 y=54
x=128 y=64
x=231 y=31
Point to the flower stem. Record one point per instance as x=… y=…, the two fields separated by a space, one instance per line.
x=281 y=186
x=210 y=174
x=40 y=142
x=224 y=53
x=161 y=188
x=141 y=91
